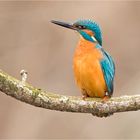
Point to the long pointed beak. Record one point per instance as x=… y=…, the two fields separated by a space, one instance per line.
x=64 y=24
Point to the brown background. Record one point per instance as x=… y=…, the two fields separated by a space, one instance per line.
x=29 y=41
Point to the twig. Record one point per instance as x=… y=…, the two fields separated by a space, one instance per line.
x=23 y=74
x=44 y=99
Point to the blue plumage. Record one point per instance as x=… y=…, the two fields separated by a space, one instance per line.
x=86 y=36
x=93 y=26
x=108 y=68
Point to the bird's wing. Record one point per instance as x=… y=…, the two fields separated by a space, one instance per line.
x=108 y=69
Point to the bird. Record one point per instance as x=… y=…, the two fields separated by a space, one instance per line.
x=94 y=68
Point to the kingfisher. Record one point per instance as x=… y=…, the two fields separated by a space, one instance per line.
x=94 y=68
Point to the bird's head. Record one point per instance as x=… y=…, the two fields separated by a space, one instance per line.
x=88 y=29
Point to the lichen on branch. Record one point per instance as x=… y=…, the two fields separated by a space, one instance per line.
x=37 y=97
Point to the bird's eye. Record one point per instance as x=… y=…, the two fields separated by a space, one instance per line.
x=80 y=27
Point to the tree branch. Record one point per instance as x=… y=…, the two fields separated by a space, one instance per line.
x=37 y=97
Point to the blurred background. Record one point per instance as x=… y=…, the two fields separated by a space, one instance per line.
x=29 y=41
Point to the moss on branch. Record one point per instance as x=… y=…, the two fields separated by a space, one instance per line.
x=37 y=97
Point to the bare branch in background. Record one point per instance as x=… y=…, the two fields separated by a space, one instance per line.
x=37 y=97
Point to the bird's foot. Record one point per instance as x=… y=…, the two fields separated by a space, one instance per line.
x=84 y=96
x=105 y=98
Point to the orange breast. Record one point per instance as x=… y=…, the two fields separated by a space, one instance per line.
x=87 y=69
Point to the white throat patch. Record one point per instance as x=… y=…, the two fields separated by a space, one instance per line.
x=93 y=38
